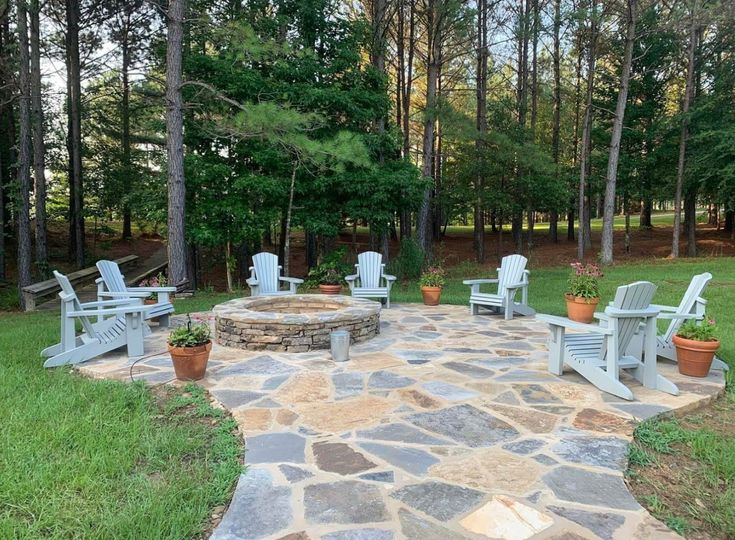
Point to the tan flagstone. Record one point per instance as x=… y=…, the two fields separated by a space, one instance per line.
x=286 y=417
x=419 y=399
x=603 y=422
x=490 y=469
x=506 y=518
x=374 y=361
x=346 y=414
x=305 y=387
x=253 y=419
x=533 y=420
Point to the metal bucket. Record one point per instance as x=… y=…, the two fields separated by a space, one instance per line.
x=340 y=345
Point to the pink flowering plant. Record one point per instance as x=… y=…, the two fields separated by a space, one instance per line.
x=155 y=281
x=704 y=331
x=434 y=276
x=584 y=281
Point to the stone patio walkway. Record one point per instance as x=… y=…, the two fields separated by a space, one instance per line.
x=445 y=426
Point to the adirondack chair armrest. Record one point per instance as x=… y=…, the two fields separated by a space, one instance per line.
x=114 y=311
x=670 y=316
x=554 y=320
x=389 y=277
x=252 y=282
x=664 y=308
x=351 y=277
x=626 y=313
x=150 y=290
x=479 y=281
x=297 y=281
x=128 y=294
x=517 y=285
x=119 y=302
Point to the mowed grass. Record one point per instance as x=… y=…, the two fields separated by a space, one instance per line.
x=82 y=458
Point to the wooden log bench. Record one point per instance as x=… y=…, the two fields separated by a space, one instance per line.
x=81 y=277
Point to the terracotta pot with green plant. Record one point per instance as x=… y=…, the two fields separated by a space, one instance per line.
x=431 y=282
x=696 y=345
x=583 y=293
x=329 y=275
x=156 y=281
x=189 y=347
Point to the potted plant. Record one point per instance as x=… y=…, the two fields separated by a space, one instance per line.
x=696 y=346
x=583 y=294
x=329 y=275
x=189 y=346
x=431 y=282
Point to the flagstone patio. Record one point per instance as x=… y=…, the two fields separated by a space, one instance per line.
x=445 y=426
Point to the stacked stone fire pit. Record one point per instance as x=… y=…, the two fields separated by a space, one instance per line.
x=295 y=323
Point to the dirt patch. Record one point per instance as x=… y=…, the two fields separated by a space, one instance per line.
x=689 y=487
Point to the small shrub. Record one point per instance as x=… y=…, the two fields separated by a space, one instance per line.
x=156 y=281
x=409 y=262
x=706 y=331
x=330 y=271
x=434 y=276
x=584 y=281
x=190 y=335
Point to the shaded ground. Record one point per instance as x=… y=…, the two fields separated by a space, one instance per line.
x=683 y=470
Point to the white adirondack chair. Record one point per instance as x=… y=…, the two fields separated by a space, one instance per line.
x=112 y=285
x=597 y=351
x=120 y=323
x=265 y=277
x=370 y=281
x=692 y=306
x=512 y=276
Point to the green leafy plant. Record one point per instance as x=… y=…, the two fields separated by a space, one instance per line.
x=330 y=271
x=584 y=281
x=434 y=276
x=705 y=331
x=156 y=281
x=190 y=335
x=409 y=262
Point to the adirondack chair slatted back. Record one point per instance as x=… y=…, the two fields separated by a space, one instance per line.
x=111 y=275
x=69 y=295
x=694 y=291
x=370 y=268
x=267 y=272
x=511 y=271
x=636 y=296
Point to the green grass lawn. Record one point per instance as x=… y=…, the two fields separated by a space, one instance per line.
x=82 y=458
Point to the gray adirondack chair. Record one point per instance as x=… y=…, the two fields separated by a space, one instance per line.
x=265 y=277
x=111 y=284
x=370 y=280
x=120 y=323
x=597 y=351
x=512 y=277
x=691 y=307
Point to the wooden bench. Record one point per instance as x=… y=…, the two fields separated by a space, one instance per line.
x=150 y=272
x=86 y=275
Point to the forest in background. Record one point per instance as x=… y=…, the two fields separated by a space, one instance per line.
x=228 y=124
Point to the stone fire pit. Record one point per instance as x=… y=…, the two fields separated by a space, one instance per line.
x=295 y=323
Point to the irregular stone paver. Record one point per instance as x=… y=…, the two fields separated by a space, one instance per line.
x=412 y=460
x=466 y=424
x=542 y=440
x=348 y=501
x=360 y=534
x=603 y=524
x=505 y=518
x=439 y=500
x=592 y=488
x=449 y=392
x=275 y=448
x=340 y=458
x=258 y=509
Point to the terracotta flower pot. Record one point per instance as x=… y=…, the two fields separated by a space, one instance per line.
x=190 y=363
x=581 y=309
x=694 y=357
x=330 y=289
x=150 y=302
x=431 y=295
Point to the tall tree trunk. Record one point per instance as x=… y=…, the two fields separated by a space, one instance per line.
x=408 y=83
x=24 y=154
x=127 y=231
x=287 y=228
x=522 y=104
x=177 y=251
x=481 y=120
x=606 y=255
x=39 y=148
x=74 y=144
x=423 y=220
x=582 y=235
x=690 y=216
x=556 y=123
x=681 y=164
x=7 y=139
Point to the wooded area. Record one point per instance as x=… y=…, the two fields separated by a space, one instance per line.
x=229 y=124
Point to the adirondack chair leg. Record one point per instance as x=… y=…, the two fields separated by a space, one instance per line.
x=163 y=321
x=134 y=329
x=508 y=307
x=556 y=350
x=474 y=309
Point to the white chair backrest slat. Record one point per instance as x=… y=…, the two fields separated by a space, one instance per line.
x=71 y=296
x=511 y=271
x=370 y=267
x=688 y=302
x=636 y=296
x=266 y=272
x=111 y=275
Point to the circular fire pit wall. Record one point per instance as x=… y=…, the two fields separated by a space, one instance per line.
x=294 y=323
